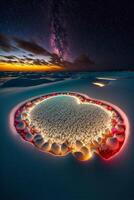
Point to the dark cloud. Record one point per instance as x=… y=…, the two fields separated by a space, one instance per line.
x=10 y=57
x=30 y=54
x=83 y=59
x=5 y=43
x=23 y=60
x=81 y=63
x=40 y=62
x=31 y=46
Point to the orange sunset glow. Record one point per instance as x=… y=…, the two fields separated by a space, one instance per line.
x=29 y=67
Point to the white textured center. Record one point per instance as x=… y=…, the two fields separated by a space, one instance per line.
x=64 y=118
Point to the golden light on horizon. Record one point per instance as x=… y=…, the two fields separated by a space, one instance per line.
x=29 y=67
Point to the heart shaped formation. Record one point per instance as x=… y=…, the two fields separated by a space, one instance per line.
x=60 y=123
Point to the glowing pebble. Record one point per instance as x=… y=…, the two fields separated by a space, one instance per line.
x=20 y=126
x=46 y=146
x=64 y=148
x=86 y=153
x=84 y=150
x=37 y=137
x=29 y=137
x=39 y=142
x=55 y=148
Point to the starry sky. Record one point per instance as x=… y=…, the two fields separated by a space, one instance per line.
x=97 y=32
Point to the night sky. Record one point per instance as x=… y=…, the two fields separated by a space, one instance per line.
x=101 y=30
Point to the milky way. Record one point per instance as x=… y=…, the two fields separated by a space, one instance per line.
x=58 y=28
